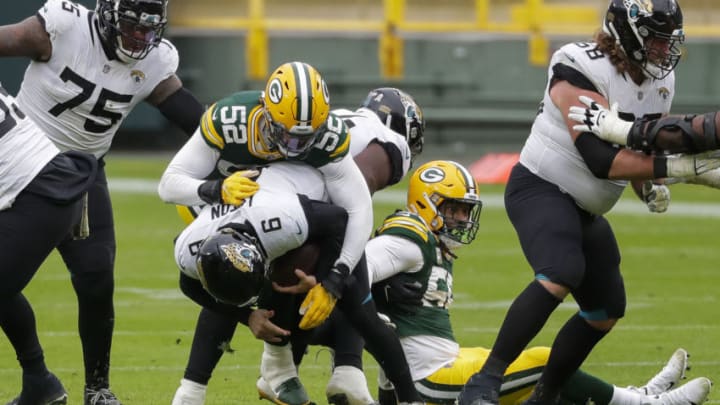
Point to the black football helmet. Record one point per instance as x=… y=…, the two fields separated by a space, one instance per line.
x=231 y=267
x=399 y=112
x=132 y=27
x=649 y=31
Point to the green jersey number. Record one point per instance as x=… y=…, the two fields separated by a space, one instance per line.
x=234 y=123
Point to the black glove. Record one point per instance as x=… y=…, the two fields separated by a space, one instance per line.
x=399 y=292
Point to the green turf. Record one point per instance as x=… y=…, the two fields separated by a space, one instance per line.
x=670 y=264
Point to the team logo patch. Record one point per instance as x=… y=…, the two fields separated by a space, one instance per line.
x=275 y=91
x=239 y=256
x=432 y=175
x=138 y=76
x=664 y=92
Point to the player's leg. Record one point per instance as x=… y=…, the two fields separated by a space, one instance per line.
x=556 y=257
x=91 y=264
x=30 y=230
x=601 y=297
x=380 y=341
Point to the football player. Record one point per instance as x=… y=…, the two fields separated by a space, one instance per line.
x=88 y=70
x=566 y=180
x=419 y=246
x=41 y=193
x=290 y=121
x=275 y=221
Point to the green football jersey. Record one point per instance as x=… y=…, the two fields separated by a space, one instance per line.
x=435 y=277
x=232 y=126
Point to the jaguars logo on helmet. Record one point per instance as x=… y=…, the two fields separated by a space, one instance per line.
x=442 y=181
x=231 y=267
x=296 y=106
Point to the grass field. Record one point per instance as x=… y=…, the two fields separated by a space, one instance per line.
x=670 y=264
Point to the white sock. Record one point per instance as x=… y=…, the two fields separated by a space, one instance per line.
x=277 y=365
x=624 y=396
x=190 y=393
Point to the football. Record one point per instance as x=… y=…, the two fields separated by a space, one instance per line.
x=282 y=269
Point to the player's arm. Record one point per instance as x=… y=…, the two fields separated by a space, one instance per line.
x=347 y=188
x=177 y=104
x=327 y=224
x=26 y=38
x=376 y=167
x=388 y=255
x=186 y=172
x=608 y=162
x=673 y=133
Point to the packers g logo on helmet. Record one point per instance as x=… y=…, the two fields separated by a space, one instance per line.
x=297 y=104
x=442 y=181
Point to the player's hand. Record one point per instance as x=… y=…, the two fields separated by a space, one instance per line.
x=239 y=186
x=304 y=284
x=400 y=291
x=656 y=196
x=605 y=124
x=692 y=165
x=262 y=327
x=316 y=307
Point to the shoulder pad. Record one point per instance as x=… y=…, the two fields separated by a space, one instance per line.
x=407 y=225
x=585 y=58
x=331 y=145
x=62 y=15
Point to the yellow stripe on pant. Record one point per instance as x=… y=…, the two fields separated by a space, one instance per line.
x=443 y=386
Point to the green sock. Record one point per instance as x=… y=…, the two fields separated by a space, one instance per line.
x=582 y=388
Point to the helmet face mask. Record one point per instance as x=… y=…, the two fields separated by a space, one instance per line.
x=132 y=27
x=649 y=32
x=445 y=196
x=231 y=267
x=398 y=111
x=296 y=106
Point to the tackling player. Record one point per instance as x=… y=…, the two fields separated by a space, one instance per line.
x=291 y=121
x=88 y=70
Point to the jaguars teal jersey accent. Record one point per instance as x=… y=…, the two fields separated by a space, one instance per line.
x=435 y=276
x=232 y=126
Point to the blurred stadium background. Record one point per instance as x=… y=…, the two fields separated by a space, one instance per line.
x=478 y=67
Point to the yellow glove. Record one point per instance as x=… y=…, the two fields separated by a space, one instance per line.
x=239 y=186
x=316 y=307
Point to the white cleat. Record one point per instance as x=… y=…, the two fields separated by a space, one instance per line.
x=694 y=392
x=668 y=377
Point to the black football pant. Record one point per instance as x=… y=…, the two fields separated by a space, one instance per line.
x=29 y=231
x=91 y=263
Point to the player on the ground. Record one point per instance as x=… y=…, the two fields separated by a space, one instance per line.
x=88 y=70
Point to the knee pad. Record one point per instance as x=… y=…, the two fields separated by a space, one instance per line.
x=96 y=285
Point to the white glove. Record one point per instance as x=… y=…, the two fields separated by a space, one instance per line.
x=606 y=124
x=692 y=165
x=710 y=178
x=656 y=196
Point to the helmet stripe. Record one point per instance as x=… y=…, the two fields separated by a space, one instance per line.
x=304 y=94
x=469 y=180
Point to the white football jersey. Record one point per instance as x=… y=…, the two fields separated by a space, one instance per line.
x=24 y=148
x=274 y=212
x=550 y=152
x=366 y=127
x=80 y=97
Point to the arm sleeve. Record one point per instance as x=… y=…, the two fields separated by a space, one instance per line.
x=187 y=171
x=347 y=188
x=388 y=255
x=182 y=109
